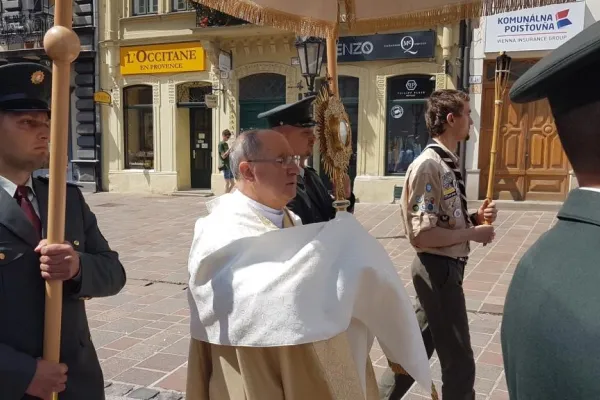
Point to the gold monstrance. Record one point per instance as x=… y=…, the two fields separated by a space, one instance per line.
x=333 y=131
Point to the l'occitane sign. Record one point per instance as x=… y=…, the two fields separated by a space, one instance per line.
x=162 y=58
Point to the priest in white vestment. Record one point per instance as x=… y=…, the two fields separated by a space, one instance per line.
x=290 y=313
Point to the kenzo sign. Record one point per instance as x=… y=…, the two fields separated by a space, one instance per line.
x=393 y=46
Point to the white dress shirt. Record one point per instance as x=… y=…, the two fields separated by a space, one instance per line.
x=11 y=189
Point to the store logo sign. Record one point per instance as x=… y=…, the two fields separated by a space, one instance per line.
x=538 y=28
x=411 y=85
x=355 y=49
x=407 y=43
x=392 y=46
x=397 y=112
x=163 y=58
x=562 y=20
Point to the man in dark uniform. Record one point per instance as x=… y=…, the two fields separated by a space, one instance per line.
x=551 y=323
x=312 y=203
x=85 y=263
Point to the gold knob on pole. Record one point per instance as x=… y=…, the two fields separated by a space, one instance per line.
x=62 y=44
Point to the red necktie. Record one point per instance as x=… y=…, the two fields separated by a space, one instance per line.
x=22 y=196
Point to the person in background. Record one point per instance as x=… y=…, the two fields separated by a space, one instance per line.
x=224 y=158
x=84 y=263
x=437 y=223
x=313 y=203
x=551 y=323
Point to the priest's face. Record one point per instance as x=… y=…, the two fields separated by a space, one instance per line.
x=272 y=175
x=300 y=139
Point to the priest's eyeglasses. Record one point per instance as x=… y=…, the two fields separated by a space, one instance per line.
x=283 y=161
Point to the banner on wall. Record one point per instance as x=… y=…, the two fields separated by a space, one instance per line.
x=531 y=29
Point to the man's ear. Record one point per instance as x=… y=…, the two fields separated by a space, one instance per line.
x=247 y=172
x=450 y=119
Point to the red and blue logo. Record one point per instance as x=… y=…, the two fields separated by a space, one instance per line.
x=562 y=19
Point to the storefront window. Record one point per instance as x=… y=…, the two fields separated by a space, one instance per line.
x=139 y=127
x=406 y=133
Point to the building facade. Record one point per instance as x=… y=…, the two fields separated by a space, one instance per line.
x=179 y=74
x=531 y=164
x=23 y=24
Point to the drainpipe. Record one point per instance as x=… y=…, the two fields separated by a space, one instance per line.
x=463 y=82
x=98 y=127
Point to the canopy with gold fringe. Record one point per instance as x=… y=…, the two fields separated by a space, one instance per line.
x=321 y=17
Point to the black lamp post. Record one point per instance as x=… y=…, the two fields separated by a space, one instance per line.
x=311 y=51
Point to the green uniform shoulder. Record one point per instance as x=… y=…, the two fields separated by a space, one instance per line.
x=46 y=180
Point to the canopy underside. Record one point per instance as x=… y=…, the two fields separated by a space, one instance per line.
x=320 y=17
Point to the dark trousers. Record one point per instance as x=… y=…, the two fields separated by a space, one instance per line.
x=442 y=315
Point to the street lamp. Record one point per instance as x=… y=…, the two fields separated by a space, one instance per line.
x=311 y=51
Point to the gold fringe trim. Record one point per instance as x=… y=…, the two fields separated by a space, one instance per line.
x=434 y=393
x=448 y=14
x=397 y=368
x=255 y=14
x=426 y=18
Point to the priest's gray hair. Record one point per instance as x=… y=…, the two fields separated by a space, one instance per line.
x=247 y=146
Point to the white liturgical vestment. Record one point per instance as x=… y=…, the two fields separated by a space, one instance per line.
x=255 y=285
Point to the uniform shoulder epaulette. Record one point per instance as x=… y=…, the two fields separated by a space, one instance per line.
x=46 y=180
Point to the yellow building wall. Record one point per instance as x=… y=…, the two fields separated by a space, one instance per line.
x=255 y=50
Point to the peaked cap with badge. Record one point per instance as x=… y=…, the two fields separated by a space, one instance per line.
x=25 y=87
x=550 y=326
x=567 y=77
x=294 y=114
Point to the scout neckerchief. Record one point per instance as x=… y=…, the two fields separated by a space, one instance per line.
x=457 y=176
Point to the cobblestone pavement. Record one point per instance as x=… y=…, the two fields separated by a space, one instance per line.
x=142 y=333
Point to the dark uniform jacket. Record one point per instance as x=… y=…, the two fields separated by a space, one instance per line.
x=551 y=325
x=313 y=202
x=22 y=296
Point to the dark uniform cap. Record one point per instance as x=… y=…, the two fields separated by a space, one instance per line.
x=295 y=114
x=567 y=77
x=25 y=87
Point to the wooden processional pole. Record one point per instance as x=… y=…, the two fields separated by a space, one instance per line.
x=332 y=64
x=62 y=46
x=500 y=82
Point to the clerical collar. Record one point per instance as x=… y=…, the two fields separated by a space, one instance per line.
x=273 y=215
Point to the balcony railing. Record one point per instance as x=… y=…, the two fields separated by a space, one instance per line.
x=24 y=30
x=207 y=17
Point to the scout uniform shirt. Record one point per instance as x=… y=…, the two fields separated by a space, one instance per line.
x=430 y=199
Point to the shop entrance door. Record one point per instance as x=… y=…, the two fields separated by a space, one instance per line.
x=530 y=161
x=201 y=143
x=259 y=93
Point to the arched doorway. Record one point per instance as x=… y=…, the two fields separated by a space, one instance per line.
x=406 y=133
x=259 y=93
